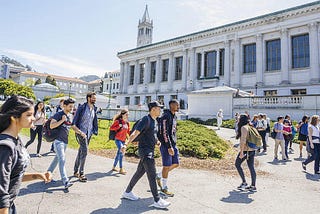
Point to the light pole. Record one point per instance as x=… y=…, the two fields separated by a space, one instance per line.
x=109 y=102
x=69 y=88
x=256 y=85
x=177 y=93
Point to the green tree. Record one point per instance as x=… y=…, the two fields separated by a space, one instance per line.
x=49 y=79
x=8 y=88
x=38 y=81
x=54 y=82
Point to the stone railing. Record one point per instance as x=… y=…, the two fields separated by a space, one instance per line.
x=277 y=102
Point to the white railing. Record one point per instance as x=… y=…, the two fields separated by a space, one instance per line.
x=277 y=102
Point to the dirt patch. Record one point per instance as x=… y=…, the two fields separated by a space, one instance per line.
x=225 y=166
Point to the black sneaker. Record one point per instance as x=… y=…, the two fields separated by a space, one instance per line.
x=242 y=186
x=304 y=167
x=251 y=189
x=83 y=178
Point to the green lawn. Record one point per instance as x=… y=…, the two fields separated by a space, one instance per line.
x=194 y=140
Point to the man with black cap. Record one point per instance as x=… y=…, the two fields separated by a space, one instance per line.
x=147 y=128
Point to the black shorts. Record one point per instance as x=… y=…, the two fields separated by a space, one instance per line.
x=302 y=137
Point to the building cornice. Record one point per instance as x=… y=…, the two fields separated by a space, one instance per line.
x=278 y=16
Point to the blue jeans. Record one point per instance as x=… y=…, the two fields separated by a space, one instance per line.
x=119 y=155
x=60 y=148
x=316 y=156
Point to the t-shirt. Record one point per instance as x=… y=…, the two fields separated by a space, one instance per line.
x=279 y=126
x=63 y=128
x=148 y=128
x=14 y=159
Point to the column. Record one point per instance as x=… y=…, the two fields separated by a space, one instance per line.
x=217 y=63
x=202 y=65
x=122 y=77
x=146 y=74
x=314 y=53
x=136 y=76
x=184 y=69
x=126 y=77
x=227 y=63
x=237 y=68
x=171 y=72
x=259 y=63
x=284 y=57
x=158 y=73
x=192 y=69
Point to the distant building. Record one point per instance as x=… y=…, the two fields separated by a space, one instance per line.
x=111 y=83
x=8 y=70
x=95 y=86
x=272 y=54
x=66 y=85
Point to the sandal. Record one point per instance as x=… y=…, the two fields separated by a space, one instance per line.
x=83 y=178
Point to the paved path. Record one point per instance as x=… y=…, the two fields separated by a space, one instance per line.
x=285 y=190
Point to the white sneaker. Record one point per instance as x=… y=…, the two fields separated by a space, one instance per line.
x=130 y=196
x=162 y=204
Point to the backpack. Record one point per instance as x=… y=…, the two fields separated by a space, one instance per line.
x=254 y=139
x=50 y=134
x=134 y=127
x=12 y=146
x=112 y=133
x=304 y=129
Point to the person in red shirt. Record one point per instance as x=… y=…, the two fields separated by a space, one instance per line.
x=122 y=127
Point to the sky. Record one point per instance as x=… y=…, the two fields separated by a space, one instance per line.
x=81 y=37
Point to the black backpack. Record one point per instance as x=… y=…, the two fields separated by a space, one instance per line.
x=134 y=127
x=112 y=133
x=50 y=134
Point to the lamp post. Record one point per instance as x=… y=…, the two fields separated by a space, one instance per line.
x=256 y=85
x=69 y=88
x=109 y=102
x=191 y=85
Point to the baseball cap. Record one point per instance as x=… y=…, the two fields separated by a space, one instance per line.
x=154 y=104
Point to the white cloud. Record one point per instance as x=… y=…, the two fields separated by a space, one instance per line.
x=62 y=65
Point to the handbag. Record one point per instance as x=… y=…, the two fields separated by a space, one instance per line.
x=273 y=134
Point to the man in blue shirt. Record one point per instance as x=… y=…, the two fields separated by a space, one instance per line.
x=147 y=128
x=85 y=123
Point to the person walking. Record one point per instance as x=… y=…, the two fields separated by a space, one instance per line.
x=58 y=109
x=122 y=127
x=61 y=121
x=167 y=135
x=85 y=123
x=287 y=134
x=303 y=132
x=314 y=144
x=245 y=153
x=17 y=112
x=262 y=127
x=219 y=118
x=147 y=128
x=288 y=117
x=40 y=118
x=279 y=140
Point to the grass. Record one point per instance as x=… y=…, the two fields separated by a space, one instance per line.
x=194 y=140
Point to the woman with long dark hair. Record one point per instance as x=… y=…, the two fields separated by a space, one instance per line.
x=16 y=113
x=122 y=127
x=245 y=153
x=303 y=132
x=40 y=118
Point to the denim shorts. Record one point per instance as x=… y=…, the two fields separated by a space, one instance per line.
x=167 y=159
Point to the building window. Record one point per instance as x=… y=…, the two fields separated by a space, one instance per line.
x=117 y=85
x=300 y=51
x=270 y=93
x=174 y=97
x=165 y=69
x=161 y=99
x=137 y=100
x=131 y=75
x=142 y=67
x=148 y=99
x=221 y=62
x=127 y=101
x=107 y=88
x=178 y=70
x=298 y=91
x=210 y=64
x=153 y=72
x=249 y=58
x=114 y=86
x=199 y=65
x=273 y=55
x=232 y=60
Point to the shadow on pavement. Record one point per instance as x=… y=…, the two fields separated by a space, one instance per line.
x=127 y=206
x=97 y=175
x=42 y=187
x=240 y=197
x=312 y=177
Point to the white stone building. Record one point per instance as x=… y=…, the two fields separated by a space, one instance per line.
x=66 y=85
x=272 y=54
x=111 y=83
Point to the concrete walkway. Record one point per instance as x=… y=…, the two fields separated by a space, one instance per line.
x=286 y=189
